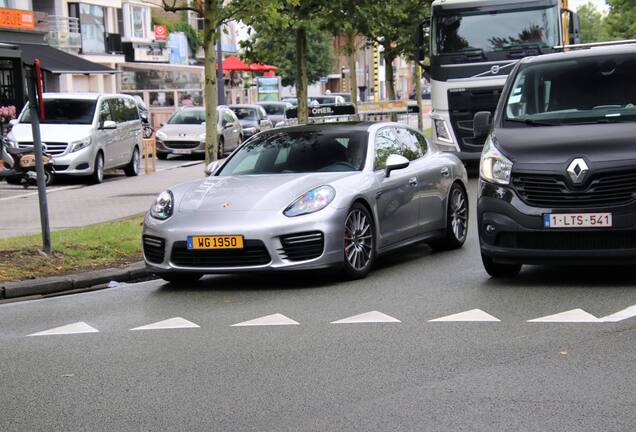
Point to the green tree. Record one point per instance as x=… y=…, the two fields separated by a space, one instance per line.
x=269 y=45
x=593 y=26
x=393 y=25
x=215 y=13
x=621 y=20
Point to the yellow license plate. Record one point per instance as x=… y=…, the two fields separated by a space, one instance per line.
x=215 y=242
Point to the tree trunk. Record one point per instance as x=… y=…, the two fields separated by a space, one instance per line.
x=388 y=74
x=209 y=86
x=418 y=96
x=351 y=57
x=301 y=74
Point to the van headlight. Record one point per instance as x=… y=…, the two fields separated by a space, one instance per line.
x=311 y=202
x=494 y=167
x=164 y=206
x=441 y=131
x=79 y=145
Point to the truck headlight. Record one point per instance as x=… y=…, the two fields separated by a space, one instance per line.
x=494 y=167
x=80 y=144
x=164 y=206
x=311 y=202
x=441 y=131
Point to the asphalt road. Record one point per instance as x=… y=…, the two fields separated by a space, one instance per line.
x=502 y=374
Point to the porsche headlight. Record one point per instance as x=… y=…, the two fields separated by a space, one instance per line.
x=494 y=167
x=311 y=202
x=162 y=135
x=163 y=207
x=79 y=145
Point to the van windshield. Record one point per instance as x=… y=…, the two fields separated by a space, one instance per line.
x=599 y=89
x=65 y=111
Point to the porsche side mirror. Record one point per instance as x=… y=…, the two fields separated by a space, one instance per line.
x=213 y=166
x=481 y=124
x=395 y=162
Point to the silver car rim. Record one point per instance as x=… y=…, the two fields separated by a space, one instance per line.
x=358 y=241
x=459 y=214
x=100 y=169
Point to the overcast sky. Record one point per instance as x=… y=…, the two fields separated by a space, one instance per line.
x=574 y=4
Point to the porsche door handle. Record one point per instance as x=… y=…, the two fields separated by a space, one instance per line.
x=413 y=181
x=445 y=172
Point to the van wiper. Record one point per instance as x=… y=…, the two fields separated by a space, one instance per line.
x=531 y=122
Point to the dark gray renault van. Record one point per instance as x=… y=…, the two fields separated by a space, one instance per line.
x=558 y=170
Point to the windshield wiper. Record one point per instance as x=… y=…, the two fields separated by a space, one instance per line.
x=531 y=122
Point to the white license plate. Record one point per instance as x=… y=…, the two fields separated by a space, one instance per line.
x=182 y=151
x=577 y=220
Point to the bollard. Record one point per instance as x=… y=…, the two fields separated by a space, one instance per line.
x=150 y=150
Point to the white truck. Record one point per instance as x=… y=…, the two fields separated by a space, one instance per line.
x=474 y=46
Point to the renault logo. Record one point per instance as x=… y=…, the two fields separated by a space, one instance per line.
x=577 y=170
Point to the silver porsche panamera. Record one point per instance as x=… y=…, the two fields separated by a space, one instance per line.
x=310 y=197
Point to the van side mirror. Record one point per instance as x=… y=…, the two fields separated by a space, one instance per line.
x=109 y=124
x=481 y=124
x=13 y=122
x=395 y=162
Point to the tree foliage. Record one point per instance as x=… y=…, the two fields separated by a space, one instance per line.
x=269 y=45
x=621 y=20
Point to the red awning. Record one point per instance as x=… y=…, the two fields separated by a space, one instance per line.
x=257 y=67
x=232 y=63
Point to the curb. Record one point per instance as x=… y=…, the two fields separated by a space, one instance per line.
x=78 y=281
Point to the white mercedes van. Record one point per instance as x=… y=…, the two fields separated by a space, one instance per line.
x=86 y=133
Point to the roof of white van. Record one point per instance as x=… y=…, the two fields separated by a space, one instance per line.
x=86 y=96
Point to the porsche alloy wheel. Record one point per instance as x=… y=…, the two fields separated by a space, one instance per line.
x=359 y=242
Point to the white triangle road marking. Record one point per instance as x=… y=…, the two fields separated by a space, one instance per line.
x=473 y=315
x=268 y=320
x=368 y=317
x=621 y=315
x=571 y=316
x=172 y=323
x=75 y=328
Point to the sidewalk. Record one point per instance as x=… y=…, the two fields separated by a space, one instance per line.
x=76 y=207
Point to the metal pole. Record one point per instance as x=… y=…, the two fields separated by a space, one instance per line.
x=39 y=163
x=220 y=84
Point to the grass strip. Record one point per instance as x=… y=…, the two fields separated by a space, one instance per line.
x=109 y=244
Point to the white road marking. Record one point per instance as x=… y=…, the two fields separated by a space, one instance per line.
x=368 y=317
x=476 y=315
x=48 y=191
x=75 y=328
x=269 y=320
x=172 y=323
x=571 y=316
x=621 y=315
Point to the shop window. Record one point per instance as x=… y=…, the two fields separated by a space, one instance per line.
x=190 y=98
x=161 y=99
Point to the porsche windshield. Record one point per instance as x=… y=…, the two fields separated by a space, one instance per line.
x=305 y=151
x=464 y=31
x=598 y=89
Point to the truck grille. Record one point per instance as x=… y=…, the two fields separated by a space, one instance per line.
x=52 y=148
x=154 y=249
x=545 y=190
x=302 y=246
x=579 y=240
x=254 y=253
x=462 y=106
x=181 y=144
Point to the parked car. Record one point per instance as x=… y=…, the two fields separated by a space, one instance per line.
x=558 y=170
x=184 y=132
x=345 y=96
x=86 y=133
x=426 y=93
x=327 y=99
x=310 y=197
x=275 y=110
x=294 y=101
x=253 y=119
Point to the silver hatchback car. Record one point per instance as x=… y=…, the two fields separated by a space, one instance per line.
x=86 y=133
x=310 y=197
x=184 y=132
